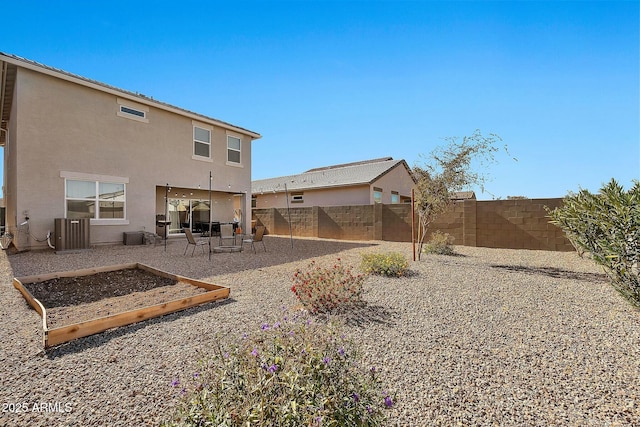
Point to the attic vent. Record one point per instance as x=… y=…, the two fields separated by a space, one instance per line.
x=135 y=112
x=132 y=110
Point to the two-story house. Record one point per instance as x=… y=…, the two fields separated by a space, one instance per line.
x=78 y=148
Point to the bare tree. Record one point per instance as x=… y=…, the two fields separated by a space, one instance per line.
x=448 y=169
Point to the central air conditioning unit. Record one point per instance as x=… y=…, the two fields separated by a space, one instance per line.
x=71 y=234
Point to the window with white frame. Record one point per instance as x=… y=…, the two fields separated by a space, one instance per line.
x=377 y=195
x=297 y=197
x=233 y=149
x=395 y=197
x=201 y=142
x=94 y=199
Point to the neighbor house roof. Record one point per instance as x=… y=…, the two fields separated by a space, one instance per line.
x=463 y=195
x=348 y=174
x=9 y=63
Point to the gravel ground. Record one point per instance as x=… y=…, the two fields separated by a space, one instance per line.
x=488 y=337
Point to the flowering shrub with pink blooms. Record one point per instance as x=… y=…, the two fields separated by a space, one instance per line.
x=327 y=289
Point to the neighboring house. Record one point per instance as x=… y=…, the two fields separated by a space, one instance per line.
x=78 y=148
x=360 y=183
x=460 y=196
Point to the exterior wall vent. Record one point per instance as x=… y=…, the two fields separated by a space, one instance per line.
x=71 y=234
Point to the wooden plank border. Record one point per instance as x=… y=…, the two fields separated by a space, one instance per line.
x=67 y=333
x=37 y=306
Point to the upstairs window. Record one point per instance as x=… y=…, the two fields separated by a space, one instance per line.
x=233 y=149
x=201 y=142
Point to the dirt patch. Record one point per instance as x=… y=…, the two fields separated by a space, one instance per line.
x=70 y=300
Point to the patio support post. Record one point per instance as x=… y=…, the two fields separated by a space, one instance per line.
x=166 y=215
x=413 y=223
x=286 y=193
x=210 y=179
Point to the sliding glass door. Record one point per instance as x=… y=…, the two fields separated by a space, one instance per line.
x=187 y=213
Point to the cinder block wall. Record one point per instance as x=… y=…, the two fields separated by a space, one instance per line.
x=514 y=224
x=451 y=222
x=396 y=223
x=300 y=224
x=264 y=217
x=519 y=224
x=276 y=221
x=347 y=222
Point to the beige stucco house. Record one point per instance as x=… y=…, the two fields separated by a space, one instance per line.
x=78 y=148
x=383 y=180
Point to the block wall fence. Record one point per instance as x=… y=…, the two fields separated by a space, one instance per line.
x=510 y=224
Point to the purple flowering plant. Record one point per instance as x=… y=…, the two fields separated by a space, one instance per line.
x=307 y=367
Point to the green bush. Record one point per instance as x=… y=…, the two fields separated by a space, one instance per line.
x=607 y=226
x=294 y=372
x=440 y=244
x=392 y=264
x=323 y=289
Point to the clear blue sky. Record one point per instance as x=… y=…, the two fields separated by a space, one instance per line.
x=334 y=82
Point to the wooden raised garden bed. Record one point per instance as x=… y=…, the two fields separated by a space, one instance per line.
x=103 y=296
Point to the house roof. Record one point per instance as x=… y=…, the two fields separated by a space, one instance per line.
x=348 y=174
x=9 y=64
x=463 y=195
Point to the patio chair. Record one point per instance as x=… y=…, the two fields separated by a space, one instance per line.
x=215 y=228
x=257 y=237
x=226 y=234
x=192 y=241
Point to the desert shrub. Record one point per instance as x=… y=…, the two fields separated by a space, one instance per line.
x=607 y=226
x=440 y=243
x=392 y=264
x=294 y=372
x=327 y=289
